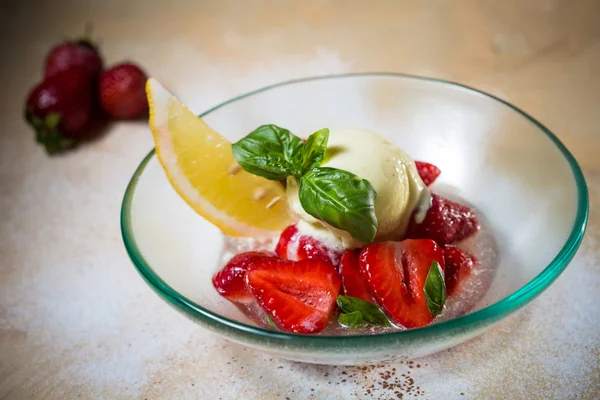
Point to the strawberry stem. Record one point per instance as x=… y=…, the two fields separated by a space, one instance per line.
x=48 y=134
x=86 y=40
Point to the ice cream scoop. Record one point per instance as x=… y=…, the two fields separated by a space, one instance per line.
x=391 y=172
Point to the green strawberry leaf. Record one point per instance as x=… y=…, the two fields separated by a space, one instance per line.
x=48 y=134
x=51 y=121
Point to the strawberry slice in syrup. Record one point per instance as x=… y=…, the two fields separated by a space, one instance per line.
x=295 y=246
x=298 y=296
x=396 y=273
x=352 y=281
x=459 y=265
x=230 y=280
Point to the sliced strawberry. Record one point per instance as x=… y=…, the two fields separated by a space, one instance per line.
x=295 y=246
x=230 y=282
x=283 y=250
x=352 y=281
x=446 y=222
x=396 y=273
x=311 y=248
x=459 y=265
x=427 y=172
x=299 y=296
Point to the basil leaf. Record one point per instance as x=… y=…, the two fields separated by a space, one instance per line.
x=341 y=199
x=271 y=322
x=369 y=312
x=268 y=151
x=352 y=320
x=435 y=289
x=313 y=151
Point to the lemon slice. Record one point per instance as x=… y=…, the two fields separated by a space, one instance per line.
x=200 y=166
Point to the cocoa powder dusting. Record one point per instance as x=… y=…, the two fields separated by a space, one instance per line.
x=381 y=381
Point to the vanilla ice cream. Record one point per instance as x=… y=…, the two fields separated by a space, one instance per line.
x=391 y=172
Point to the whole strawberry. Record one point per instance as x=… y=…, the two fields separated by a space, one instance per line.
x=446 y=222
x=61 y=108
x=81 y=53
x=122 y=91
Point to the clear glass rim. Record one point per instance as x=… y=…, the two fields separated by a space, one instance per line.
x=502 y=307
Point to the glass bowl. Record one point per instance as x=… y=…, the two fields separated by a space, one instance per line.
x=512 y=169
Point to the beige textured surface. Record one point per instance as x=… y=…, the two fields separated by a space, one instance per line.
x=77 y=322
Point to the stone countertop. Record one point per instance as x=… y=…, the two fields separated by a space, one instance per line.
x=76 y=320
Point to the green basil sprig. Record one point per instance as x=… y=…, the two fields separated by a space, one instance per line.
x=357 y=312
x=435 y=289
x=313 y=151
x=341 y=199
x=271 y=322
x=352 y=320
x=337 y=197
x=268 y=151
